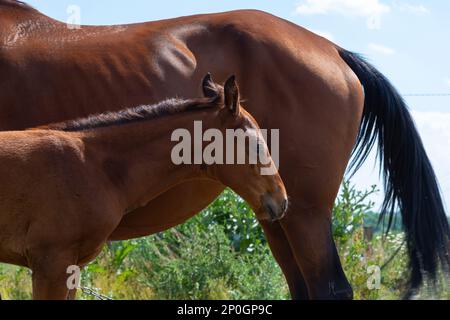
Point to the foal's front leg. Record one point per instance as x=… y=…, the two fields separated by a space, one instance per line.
x=50 y=275
x=72 y=294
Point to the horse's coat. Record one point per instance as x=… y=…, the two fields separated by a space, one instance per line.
x=290 y=78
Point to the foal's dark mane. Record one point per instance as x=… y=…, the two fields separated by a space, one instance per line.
x=136 y=114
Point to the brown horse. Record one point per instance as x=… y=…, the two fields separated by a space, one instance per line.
x=292 y=79
x=66 y=188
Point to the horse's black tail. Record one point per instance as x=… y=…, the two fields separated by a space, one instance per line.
x=409 y=180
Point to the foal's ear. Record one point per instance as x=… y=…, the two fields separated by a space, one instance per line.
x=210 y=89
x=231 y=93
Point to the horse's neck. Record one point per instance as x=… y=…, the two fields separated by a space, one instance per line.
x=20 y=23
x=13 y=12
x=15 y=4
x=137 y=157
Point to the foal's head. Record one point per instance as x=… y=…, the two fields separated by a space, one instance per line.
x=248 y=167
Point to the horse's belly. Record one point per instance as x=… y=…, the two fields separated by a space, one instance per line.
x=12 y=239
x=168 y=210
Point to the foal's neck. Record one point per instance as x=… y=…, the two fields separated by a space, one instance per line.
x=136 y=157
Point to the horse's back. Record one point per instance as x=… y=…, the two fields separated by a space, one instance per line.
x=51 y=72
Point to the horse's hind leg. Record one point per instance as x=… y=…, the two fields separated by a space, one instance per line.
x=310 y=237
x=281 y=250
x=50 y=276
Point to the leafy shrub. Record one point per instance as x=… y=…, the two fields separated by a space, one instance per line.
x=349 y=211
x=193 y=261
x=222 y=254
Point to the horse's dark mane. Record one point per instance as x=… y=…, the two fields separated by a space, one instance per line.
x=15 y=3
x=136 y=114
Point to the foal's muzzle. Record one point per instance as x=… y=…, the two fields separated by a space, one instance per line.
x=275 y=209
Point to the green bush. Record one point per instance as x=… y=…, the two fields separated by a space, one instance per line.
x=192 y=261
x=222 y=254
x=349 y=211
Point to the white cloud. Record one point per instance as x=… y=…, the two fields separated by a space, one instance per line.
x=372 y=10
x=325 y=34
x=417 y=9
x=447 y=81
x=378 y=48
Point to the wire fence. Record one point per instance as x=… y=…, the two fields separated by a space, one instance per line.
x=426 y=95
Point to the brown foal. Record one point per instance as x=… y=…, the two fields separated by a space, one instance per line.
x=66 y=187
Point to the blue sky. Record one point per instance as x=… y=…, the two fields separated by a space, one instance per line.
x=407 y=40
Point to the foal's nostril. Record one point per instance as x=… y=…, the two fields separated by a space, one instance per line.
x=275 y=208
x=284 y=205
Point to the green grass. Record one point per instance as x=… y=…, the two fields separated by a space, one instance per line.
x=222 y=254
